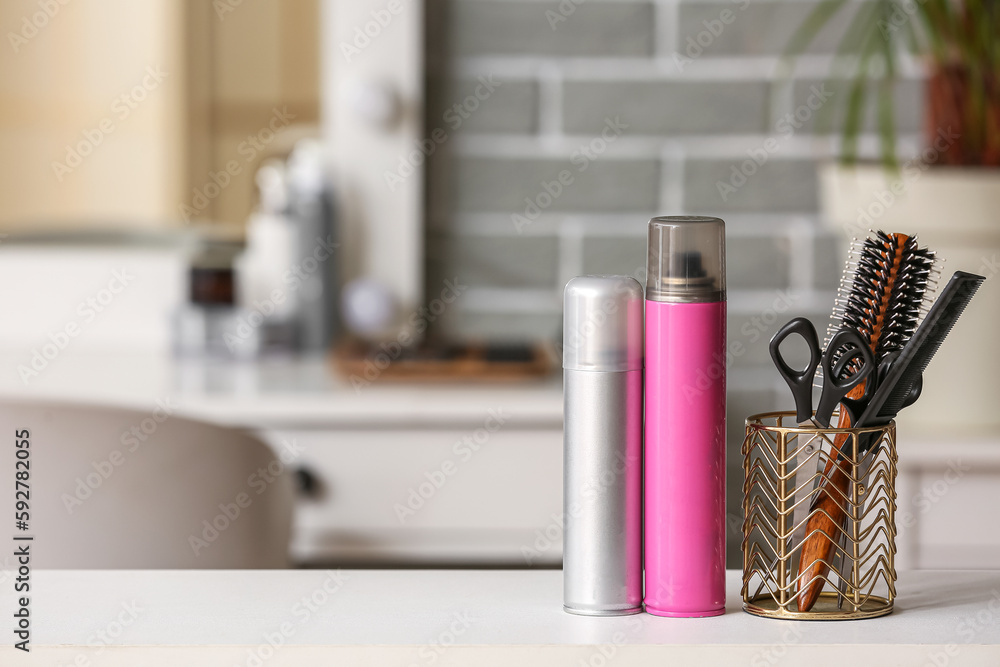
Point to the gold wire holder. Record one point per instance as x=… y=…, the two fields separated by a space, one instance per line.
x=785 y=474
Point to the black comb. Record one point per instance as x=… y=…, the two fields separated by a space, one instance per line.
x=907 y=370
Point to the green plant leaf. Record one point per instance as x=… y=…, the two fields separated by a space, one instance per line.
x=856 y=99
x=798 y=43
x=961 y=36
x=886 y=111
x=806 y=33
x=939 y=24
x=910 y=32
x=854 y=113
x=860 y=29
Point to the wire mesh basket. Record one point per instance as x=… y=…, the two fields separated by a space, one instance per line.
x=819 y=530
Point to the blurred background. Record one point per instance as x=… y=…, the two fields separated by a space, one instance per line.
x=341 y=229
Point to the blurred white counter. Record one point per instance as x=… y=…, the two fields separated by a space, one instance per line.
x=466 y=473
x=298 y=392
x=403 y=473
x=488 y=618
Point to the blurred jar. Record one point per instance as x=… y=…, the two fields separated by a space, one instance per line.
x=211 y=323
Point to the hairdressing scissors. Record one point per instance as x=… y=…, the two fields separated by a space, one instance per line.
x=846 y=363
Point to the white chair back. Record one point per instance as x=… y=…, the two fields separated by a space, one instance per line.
x=113 y=488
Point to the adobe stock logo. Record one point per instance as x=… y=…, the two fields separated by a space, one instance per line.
x=581 y=158
x=248 y=149
x=121 y=108
x=88 y=310
x=31 y=25
x=454 y=116
x=696 y=45
x=372 y=29
x=785 y=127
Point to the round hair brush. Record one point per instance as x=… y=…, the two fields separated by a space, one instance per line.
x=885 y=291
x=882 y=296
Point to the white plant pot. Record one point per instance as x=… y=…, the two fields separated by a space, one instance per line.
x=956 y=212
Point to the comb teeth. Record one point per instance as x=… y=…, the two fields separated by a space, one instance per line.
x=886 y=289
x=925 y=343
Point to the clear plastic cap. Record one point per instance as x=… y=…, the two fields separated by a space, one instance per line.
x=686 y=260
x=603 y=324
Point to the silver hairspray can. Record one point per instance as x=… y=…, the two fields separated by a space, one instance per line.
x=602 y=445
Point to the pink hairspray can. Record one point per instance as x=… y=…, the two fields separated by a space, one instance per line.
x=685 y=406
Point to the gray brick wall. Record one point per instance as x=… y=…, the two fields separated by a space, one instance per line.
x=601 y=117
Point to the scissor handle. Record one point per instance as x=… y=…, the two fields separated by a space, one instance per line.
x=799 y=381
x=842 y=374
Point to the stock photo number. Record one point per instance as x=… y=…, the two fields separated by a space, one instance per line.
x=22 y=546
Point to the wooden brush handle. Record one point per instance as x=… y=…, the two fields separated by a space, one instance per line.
x=818 y=549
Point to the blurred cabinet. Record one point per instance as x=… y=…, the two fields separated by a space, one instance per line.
x=433 y=495
x=92 y=113
x=429 y=495
x=136 y=114
x=947 y=494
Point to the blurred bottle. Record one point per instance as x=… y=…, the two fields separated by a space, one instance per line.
x=271 y=243
x=211 y=323
x=290 y=268
x=315 y=271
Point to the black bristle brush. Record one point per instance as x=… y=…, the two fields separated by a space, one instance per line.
x=887 y=286
x=885 y=291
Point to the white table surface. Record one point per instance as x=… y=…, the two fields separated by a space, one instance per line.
x=487 y=617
